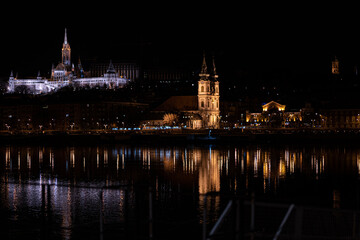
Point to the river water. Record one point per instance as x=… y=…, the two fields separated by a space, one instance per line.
x=61 y=192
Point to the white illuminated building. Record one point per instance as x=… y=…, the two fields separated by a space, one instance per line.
x=64 y=74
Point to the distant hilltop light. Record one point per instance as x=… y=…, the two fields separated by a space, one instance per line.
x=335 y=69
x=64 y=74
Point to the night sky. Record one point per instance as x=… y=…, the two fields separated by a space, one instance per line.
x=258 y=40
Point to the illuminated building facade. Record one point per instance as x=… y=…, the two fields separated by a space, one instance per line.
x=125 y=70
x=208 y=97
x=273 y=115
x=64 y=74
x=194 y=112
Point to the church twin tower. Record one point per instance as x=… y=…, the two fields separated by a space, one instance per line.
x=208 y=96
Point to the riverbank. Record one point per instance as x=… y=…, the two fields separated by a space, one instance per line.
x=201 y=136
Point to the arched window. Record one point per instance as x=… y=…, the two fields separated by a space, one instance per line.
x=202 y=88
x=202 y=104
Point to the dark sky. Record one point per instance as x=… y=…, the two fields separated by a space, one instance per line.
x=295 y=38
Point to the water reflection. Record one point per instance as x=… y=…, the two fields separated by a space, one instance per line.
x=209 y=164
x=209 y=171
x=75 y=175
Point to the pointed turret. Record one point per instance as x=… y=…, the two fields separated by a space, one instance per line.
x=215 y=76
x=39 y=76
x=52 y=71
x=66 y=52
x=11 y=85
x=204 y=74
x=11 y=75
x=80 y=69
x=65 y=37
x=111 y=68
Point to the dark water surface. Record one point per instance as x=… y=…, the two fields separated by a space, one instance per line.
x=56 y=192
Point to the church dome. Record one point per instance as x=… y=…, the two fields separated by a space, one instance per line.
x=60 y=66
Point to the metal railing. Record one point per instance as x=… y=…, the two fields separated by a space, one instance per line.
x=249 y=219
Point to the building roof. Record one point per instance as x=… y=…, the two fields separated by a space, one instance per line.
x=60 y=66
x=192 y=115
x=179 y=103
x=111 y=68
x=273 y=104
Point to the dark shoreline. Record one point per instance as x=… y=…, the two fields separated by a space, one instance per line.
x=220 y=137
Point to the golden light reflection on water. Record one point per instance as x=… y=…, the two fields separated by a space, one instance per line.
x=208 y=164
x=28 y=158
x=165 y=168
x=206 y=167
x=7 y=158
x=209 y=171
x=72 y=157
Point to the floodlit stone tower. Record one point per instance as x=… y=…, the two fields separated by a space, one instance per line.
x=66 y=52
x=208 y=96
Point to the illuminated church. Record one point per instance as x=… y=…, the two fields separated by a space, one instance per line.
x=195 y=112
x=208 y=97
x=66 y=73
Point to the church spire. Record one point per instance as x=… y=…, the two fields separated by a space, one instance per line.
x=65 y=37
x=214 y=69
x=66 y=52
x=204 y=74
x=111 y=68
